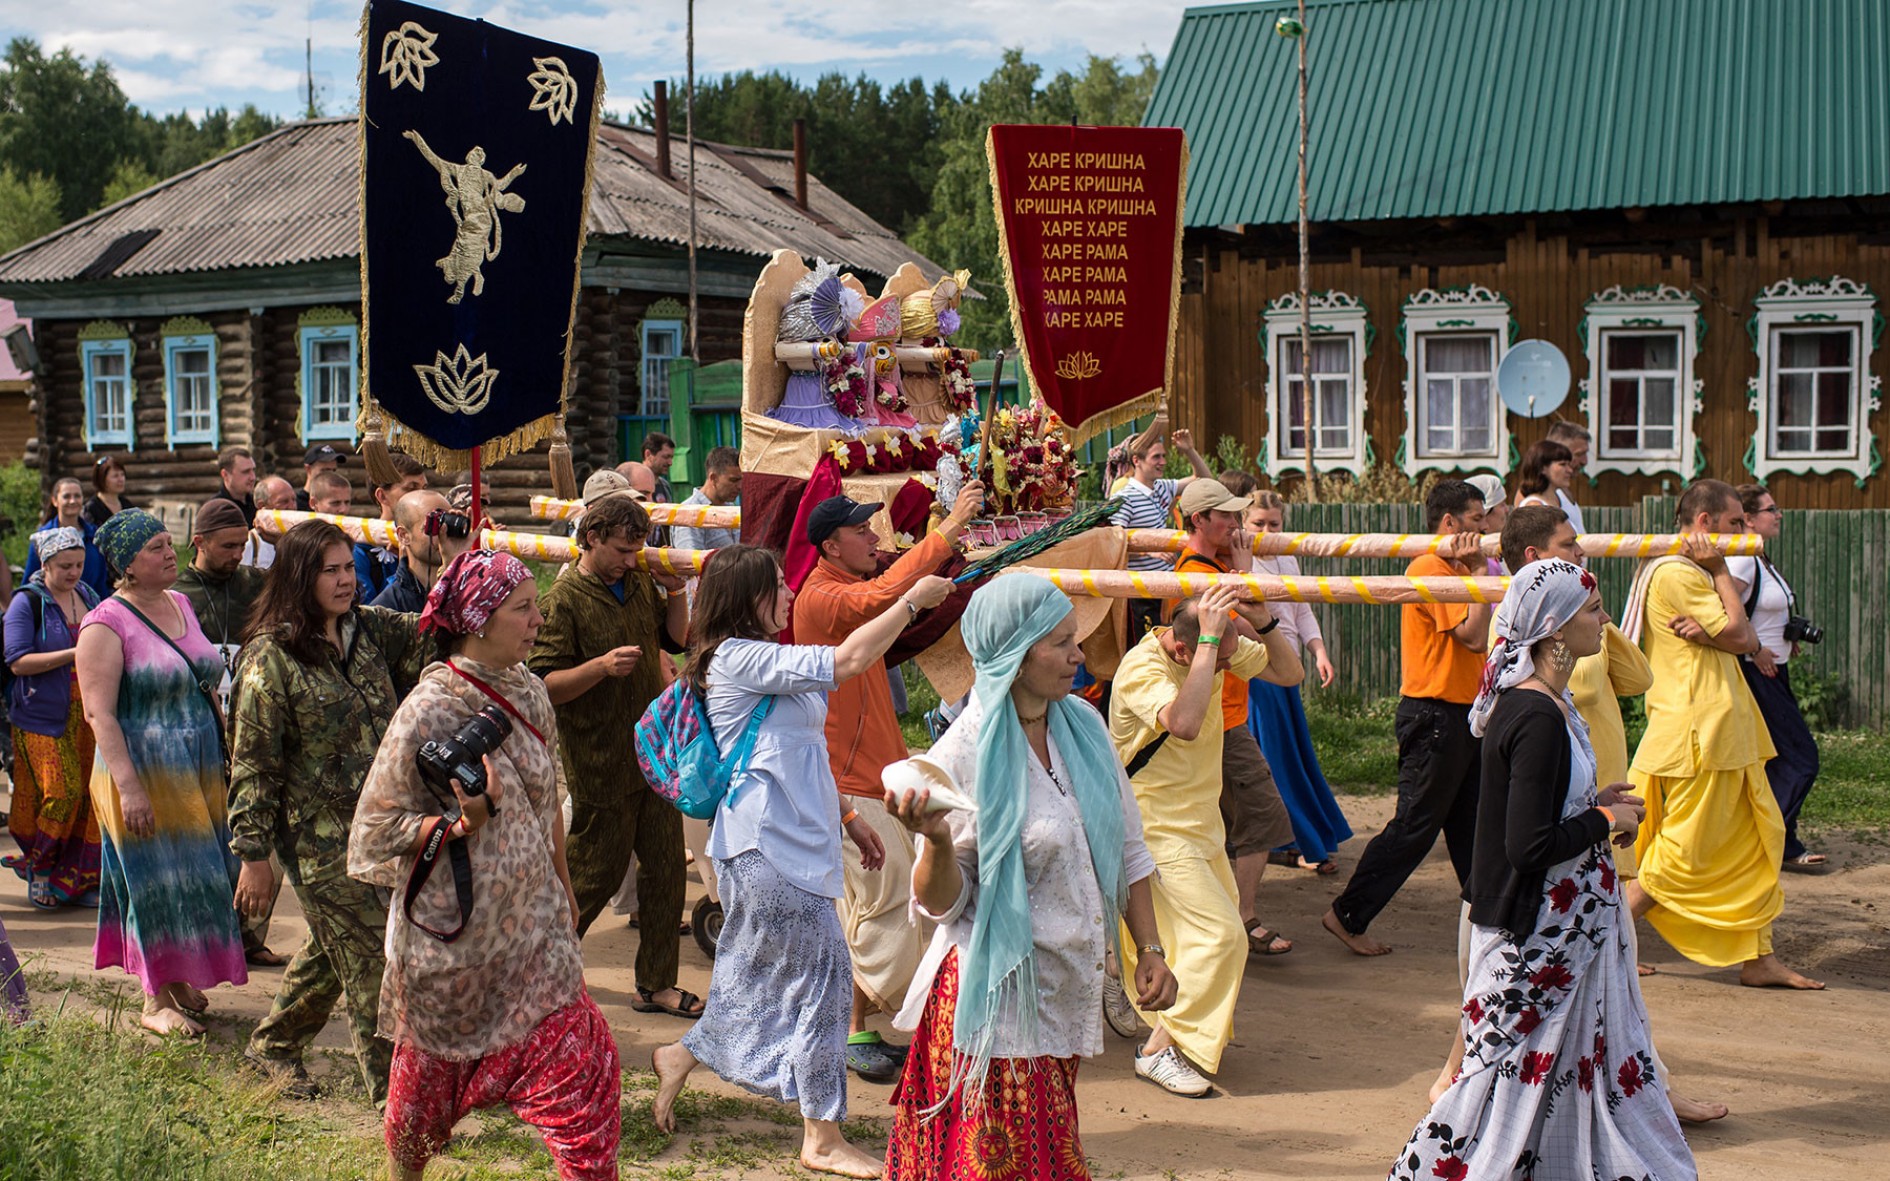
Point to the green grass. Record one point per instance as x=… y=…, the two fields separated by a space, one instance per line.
x=85 y=1097
x=1354 y=740
x=1853 y=788
x=920 y=697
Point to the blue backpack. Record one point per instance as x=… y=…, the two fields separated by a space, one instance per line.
x=677 y=751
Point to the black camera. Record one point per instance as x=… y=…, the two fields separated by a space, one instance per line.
x=443 y=522
x=456 y=761
x=1799 y=630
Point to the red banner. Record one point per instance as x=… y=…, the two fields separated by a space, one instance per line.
x=1089 y=227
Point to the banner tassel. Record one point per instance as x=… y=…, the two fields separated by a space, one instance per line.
x=374 y=452
x=564 y=483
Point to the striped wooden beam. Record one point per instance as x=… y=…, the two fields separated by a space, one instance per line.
x=535 y=547
x=1411 y=545
x=689 y=516
x=1378 y=588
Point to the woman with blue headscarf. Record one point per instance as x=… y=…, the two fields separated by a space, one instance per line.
x=1026 y=888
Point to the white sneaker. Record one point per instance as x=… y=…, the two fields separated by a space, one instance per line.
x=1118 y=1013
x=1172 y=1073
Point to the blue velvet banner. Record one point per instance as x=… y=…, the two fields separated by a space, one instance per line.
x=476 y=146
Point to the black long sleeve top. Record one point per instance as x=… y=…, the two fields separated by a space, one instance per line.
x=1520 y=830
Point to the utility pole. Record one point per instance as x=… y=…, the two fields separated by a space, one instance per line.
x=689 y=132
x=1305 y=271
x=308 y=72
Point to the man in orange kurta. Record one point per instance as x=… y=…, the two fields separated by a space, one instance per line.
x=840 y=594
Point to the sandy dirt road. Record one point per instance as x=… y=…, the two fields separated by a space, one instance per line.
x=1335 y=1053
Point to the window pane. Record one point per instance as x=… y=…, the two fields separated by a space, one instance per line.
x=1476 y=407
x=1332 y=355
x=1657 y=439
x=1624 y=406
x=1334 y=407
x=1834 y=398
x=1794 y=399
x=332 y=352
x=1810 y=350
x=1794 y=439
x=108 y=364
x=1657 y=402
x=193 y=362
x=1440 y=404
x=1458 y=354
x=1835 y=439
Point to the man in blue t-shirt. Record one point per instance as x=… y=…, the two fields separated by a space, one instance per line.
x=374 y=566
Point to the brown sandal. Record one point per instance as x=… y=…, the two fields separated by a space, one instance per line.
x=1261 y=941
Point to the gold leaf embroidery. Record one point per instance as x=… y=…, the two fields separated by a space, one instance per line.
x=474 y=197
x=461 y=384
x=554 y=90
x=1078 y=367
x=405 y=55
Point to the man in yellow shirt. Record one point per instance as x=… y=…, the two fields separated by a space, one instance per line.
x=1710 y=846
x=1165 y=721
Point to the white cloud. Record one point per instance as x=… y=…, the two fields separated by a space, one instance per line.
x=198 y=53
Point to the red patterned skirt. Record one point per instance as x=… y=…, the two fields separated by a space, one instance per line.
x=1024 y=1129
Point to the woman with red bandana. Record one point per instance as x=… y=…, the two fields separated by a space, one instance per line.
x=1558 y=1076
x=484 y=997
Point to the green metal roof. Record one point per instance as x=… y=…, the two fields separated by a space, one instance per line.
x=1434 y=108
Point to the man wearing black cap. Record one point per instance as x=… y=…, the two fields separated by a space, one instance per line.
x=842 y=593
x=322 y=457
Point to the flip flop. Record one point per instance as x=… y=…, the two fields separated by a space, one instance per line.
x=690 y=1006
x=1806 y=863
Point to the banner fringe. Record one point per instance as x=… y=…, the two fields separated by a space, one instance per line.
x=445 y=459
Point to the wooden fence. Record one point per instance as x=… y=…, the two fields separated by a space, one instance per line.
x=1837 y=561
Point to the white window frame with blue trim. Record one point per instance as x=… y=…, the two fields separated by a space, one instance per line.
x=97 y=340
x=328 y=381
x=1827 y=307
x=192 y=403
x=1336 y=316
x=653 y=386
x=1454 y=313
x=1655 y=310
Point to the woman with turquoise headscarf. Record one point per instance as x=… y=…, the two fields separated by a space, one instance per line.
x=1026 y=888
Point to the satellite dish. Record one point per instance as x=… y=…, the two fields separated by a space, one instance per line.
x=1533 y=379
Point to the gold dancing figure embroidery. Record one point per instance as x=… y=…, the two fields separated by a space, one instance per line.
x=475 y=198
x=405 y=55
x=461 y=384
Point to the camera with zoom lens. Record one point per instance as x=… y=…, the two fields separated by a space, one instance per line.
x=443 y=522
x=457 y=761
x=1799 y=630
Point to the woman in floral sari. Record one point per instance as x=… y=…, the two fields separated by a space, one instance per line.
x=1558 y=1077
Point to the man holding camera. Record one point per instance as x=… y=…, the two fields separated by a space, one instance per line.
x=606 y=627
x=431 y=535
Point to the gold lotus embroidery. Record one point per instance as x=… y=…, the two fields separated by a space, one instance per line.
x=1078 y=367
x=554 y=90
x=474 y=197
x=461 y=384
x=405 y=55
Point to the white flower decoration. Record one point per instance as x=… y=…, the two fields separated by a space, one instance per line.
x=405 y=55
x=554 y=90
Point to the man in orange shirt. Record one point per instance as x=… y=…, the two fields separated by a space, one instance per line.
x=1439 y=760
x=843 y=592
x=1251 y=808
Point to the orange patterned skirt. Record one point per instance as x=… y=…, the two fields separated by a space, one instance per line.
x=1024 y=1129
x=52 y=817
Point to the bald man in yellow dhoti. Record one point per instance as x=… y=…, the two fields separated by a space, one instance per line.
x=1710 y=846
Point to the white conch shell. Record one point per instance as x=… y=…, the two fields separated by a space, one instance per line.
x=919 y=773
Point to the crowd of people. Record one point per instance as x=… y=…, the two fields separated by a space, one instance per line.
x=347 y=717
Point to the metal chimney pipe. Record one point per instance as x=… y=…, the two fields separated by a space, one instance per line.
x=659 y=108
x=800 y=163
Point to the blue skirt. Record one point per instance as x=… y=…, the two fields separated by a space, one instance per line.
x=1277 y=717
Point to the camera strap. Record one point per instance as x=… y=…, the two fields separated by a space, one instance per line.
x=507 y=706
x=462 y=879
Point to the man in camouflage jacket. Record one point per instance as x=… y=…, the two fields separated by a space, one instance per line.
x=303 y=738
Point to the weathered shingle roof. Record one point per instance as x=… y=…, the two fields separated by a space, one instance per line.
x=1433 y=108
x=291 y=197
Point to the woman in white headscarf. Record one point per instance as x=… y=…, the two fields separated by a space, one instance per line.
x=1558 y=1077
x=1027 y=887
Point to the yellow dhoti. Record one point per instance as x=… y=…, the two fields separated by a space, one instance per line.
x=885 y=943
x=1709 y=855
x=1198 y=916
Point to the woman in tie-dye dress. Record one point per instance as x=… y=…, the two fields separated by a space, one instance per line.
x=166 y=913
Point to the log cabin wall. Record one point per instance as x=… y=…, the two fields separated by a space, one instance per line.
x=260 y=407
x=1548 y=268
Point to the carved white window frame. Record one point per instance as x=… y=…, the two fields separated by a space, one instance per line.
x=1458 y=311
x=1661 y=308
x=1834 y=304
x=1335 y=314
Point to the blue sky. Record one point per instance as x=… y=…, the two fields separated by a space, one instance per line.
x=195 y=54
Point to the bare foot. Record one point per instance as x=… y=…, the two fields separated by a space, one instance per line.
x=189 y=999
x=1693 y=1111
x=672 y=1065
x=1646 y=970
x=1360 y=944
x=168 y=1022
x=1768 y=972
x=842 y=1160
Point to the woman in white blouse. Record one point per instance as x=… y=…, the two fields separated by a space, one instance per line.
x=1027 y=888
x=1277 y=715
